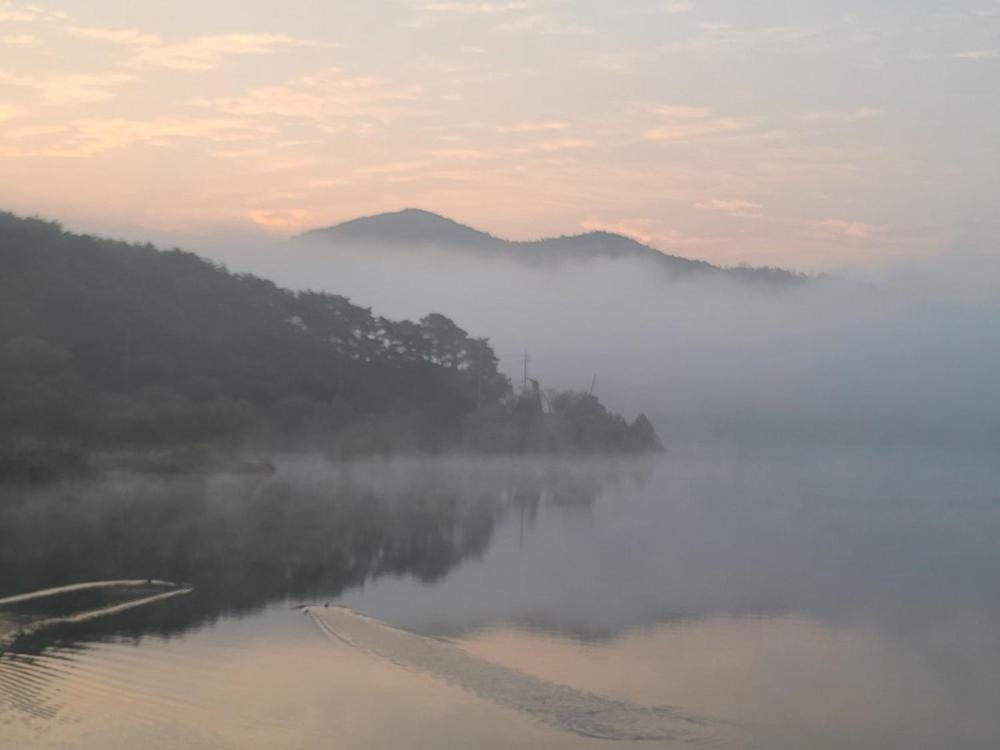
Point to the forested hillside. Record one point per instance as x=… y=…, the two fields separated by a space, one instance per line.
x=106 y=345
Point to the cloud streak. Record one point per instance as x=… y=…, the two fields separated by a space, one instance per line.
x=858 y=115
x=558 y=144
x=739 y=209
x=330 y=99
x=19 y=40
x=69 y=88
x=680 y=6
x=474 y=8
x=854 y=230
x=195 y=54
x=87 y=138
x=684 y=124
x=532 y=127
x=9 y=112
x=977 y=54
x=13 y=13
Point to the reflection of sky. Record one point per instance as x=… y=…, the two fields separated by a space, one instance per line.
x=807 y=134
x=267 y=682
x=789 y=682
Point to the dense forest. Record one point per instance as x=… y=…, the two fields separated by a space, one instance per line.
x=107 y=346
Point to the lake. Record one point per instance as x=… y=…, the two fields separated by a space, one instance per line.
x=765 y=597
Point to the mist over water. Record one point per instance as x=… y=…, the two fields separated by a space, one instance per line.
x=829 y=361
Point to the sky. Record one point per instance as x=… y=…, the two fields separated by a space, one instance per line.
x=813 y=134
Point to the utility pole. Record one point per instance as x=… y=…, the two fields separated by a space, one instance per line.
x=527 y=359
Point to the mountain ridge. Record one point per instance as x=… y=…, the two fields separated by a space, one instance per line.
x=421 y=229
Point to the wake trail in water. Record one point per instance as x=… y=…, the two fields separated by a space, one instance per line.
x=94 y=614
x=10 y=632
x=560 y=706
x=44 y=593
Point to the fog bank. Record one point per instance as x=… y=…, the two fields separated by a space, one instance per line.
x=706 y=359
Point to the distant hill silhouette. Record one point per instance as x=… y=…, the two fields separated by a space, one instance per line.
x=416 y=230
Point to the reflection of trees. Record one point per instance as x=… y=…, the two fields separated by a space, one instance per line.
x=244 y=542
x=275 y=541
x=575 y=492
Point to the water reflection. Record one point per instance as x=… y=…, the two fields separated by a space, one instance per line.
x=589 y=548
x=311 y=531
x=822 y=599
x=902 y=540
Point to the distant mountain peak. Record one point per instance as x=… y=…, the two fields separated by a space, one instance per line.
x=604 y=237
x=409 y=225
x=410 y=216
x=604 y=234
x=418 y=213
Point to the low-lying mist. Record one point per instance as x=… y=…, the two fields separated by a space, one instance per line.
x=705 y=358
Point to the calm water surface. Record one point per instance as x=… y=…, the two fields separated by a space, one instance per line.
x=789 y=599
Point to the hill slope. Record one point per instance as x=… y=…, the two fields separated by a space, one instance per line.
x=106 y=345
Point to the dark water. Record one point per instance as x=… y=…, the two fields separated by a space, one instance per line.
x=799 y=598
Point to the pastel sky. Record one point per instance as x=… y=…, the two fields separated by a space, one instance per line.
x=809 y=134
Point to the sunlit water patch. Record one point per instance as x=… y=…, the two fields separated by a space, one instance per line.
x=272 y=681
x=564 y=707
